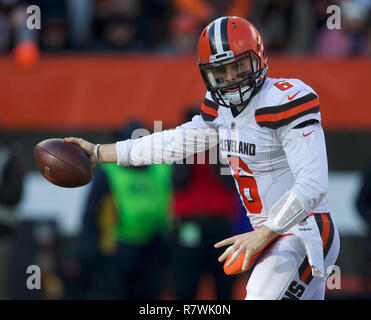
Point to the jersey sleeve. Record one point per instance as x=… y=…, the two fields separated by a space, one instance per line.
x=296 y=124
x=168 y=146
x=305 y=150
x=287 y=108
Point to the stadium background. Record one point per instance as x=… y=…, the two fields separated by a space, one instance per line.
x=95 y=64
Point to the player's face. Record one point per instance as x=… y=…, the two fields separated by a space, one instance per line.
x=229 y=74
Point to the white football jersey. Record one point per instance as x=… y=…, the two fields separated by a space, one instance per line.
x=274 y=145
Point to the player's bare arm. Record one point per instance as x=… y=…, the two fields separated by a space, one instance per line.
x=105 y=152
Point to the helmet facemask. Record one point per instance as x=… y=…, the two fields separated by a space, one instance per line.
x=234 y=81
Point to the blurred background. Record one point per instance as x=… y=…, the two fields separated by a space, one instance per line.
x=99 y=69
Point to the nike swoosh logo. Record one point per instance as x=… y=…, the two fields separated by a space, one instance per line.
x=293 y=96
x=307 y=134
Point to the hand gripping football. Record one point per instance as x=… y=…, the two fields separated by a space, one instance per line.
x=236 y=266
x=63 y=164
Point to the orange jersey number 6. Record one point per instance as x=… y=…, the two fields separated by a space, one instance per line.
x=283 y=85
x=247 y=185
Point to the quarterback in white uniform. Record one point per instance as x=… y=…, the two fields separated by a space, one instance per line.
x=269 y=130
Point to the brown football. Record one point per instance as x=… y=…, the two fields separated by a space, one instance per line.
x=63 y=164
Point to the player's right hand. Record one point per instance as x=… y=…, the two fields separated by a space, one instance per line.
x=86 y=146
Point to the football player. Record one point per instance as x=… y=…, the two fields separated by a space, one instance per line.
x=270 y=132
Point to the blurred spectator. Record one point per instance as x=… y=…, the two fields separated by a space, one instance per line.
x=184 y=33
x=354 y=34
x=80 y=22
x=190 y=17
x=35 y=243
x=13 y=28
x=54 y=25
x=14 y=34
x=173 y=26
x=287 y=26
x=45 y=237
x=207 y=10
x=363 y=203
x=130 y=25
x=124 y=226
x=320 y=11
x=125 y=25
x=204 y=210
x=12 y=172
x=120 y=24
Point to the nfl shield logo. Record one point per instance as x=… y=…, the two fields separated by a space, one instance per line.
x=233 y=126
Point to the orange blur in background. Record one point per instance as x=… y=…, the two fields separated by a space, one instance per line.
x=99 y=92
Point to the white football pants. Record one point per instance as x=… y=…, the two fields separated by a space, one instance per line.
x=284 y=272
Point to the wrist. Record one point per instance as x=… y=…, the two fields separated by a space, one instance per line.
x=107 y=153
x=96 y=153
x=267 y=233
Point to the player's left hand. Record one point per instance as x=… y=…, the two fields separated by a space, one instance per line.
x=248 y=243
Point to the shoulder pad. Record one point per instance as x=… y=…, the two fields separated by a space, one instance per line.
x=277 y=116
x=209 y=110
